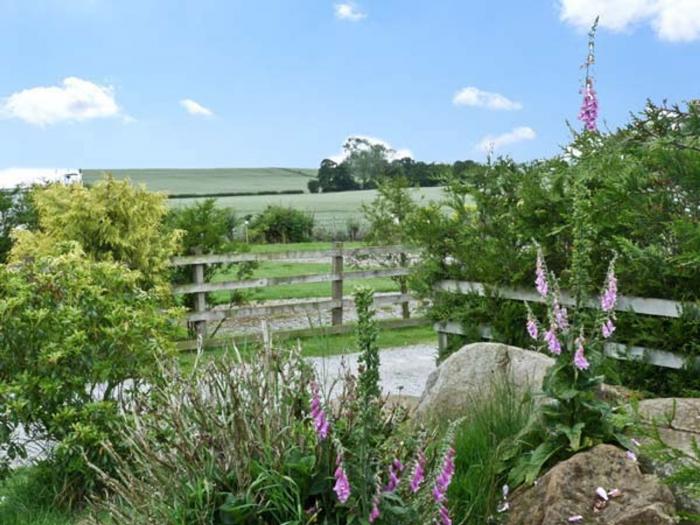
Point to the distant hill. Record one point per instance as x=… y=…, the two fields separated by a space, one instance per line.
x=218 y=180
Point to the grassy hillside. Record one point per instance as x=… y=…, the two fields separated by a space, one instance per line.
x=330 y=209
x=220 y=180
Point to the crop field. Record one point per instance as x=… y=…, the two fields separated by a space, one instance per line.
x=220 y=180
x=331 y=210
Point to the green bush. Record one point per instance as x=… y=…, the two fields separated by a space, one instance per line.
x=277 y=224
x=206 y=229
x=643 y=201
x=77 y=337
x=112 y=221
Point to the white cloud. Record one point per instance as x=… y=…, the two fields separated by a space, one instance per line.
x=195 y=108
x=396 y=154
x=74 y=100
x=673 y=20
x=473 y=96
x=493 y=143
x=349 y=11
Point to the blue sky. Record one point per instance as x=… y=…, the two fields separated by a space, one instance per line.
x=213 y=83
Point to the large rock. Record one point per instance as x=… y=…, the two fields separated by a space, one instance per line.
x=569 y=489
x=471 y=371
x=678 y=424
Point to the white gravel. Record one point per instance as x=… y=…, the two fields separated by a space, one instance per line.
x=403 y=370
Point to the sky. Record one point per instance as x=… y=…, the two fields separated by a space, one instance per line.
x=253 y=83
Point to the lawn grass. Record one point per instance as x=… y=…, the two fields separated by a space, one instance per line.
x=323 y=344
x=296 y=291
x=24 y=500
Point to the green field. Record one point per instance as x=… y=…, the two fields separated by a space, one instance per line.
x=219 y=180
x=331 y=210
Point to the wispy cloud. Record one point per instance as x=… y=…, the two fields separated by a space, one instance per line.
x=672 y=20
x=396 y=154
x=492 y=143
x=195 y=108
x=73 y=100
x=475 y=97
x=349 y=11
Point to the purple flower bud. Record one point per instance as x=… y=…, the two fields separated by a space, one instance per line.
x=560 y=316
x=418 y=472
x=444 y=514
x=342 y=485
x=580 y=360
x=321 y=425
x=553 y=343
x=374 y=513
x=541 y=275
x=532 y=327
x=609 y=297
x=394 y=470
x=607 y=329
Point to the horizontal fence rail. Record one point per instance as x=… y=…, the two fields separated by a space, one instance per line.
x=336 y=303
x=638 y=305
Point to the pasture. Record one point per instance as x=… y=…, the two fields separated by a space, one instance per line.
x=216 y=180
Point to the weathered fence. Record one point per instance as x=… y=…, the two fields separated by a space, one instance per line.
x=639 y=305
x=336 y=303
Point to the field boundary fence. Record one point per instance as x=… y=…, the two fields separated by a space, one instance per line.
x=337 y=303
x=637 y=305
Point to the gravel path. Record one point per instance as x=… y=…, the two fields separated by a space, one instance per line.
x=402 y=370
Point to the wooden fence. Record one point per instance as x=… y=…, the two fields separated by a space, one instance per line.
x=639 y=305
x=336 y=303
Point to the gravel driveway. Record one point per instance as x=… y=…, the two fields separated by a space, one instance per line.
x=402 y=370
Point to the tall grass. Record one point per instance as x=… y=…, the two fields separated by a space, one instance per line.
x=484 y=438
x=25 y=499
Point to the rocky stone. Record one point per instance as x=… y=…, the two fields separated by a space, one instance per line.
x=678 y=423
x=471 y=371
x=569 y=489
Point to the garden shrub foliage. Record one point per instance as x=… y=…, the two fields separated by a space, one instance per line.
x=642 y=202
x=277 y=224
x=111 y=221
x=73 y=332
x=256 y=442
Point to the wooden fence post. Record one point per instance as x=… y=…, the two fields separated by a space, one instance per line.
x=200 y=299
x=337 y=285
x=405 y=311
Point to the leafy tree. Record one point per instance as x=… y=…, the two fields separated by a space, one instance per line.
x=16 y=211
x=335 y=177
x=367 y=160
x=111 y=221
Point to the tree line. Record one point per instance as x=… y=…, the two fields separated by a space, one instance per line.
x=365 y=163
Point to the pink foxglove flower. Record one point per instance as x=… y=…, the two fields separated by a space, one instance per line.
x=541 y=275
x=321 y=425
x=394 y=470
x=342 y=485
x=607 y=329
x=532 y=327
x=442 y=482
x=418 y=474
x=374 y=513
x=601 y=493
x=589 y=107
x=444 y=515
x=631 y=455
x=553 y=343
x=575 y=519
x=560 y=316
x=609 y=297
x=580 y=360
